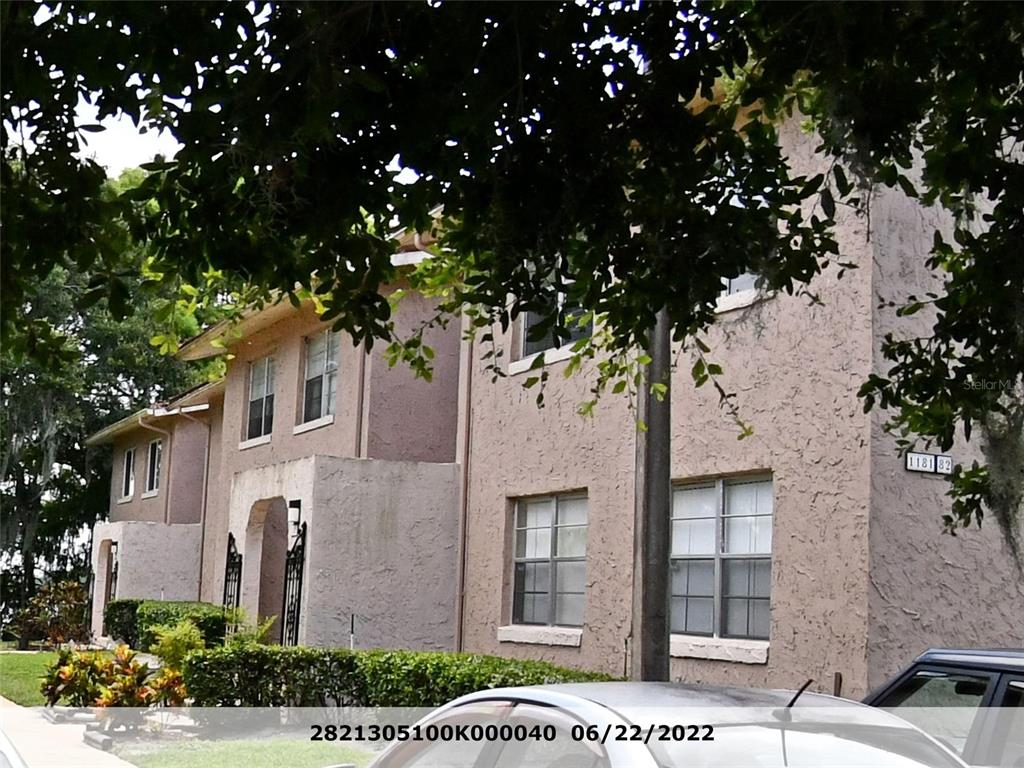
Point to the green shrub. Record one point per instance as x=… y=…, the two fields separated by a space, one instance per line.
x=260 y=676
x=120 y=620
x=173 y=644
x=212 y=620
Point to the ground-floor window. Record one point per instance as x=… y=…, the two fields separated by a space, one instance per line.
x=550 y=560
x=722 y=558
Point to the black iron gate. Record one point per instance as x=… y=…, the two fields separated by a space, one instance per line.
x=293 y=566
x=233 y=575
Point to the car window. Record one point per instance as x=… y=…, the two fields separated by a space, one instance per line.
x=561 y=751
x=1008 y=735
x=451 y=753
x=943 y=704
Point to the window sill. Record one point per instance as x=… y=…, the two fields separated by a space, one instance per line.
x=125 y=499
x=151 y=494
x=309 y=426
x=550 y=356
x=719 y=649
x=741 y=300
x=540 y=635
x=261 y=440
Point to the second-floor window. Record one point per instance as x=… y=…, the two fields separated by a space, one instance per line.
x=128 y=474
x=321 y=380
x=550 y=560
x=721 y=558
x=745 y=282
x=261 y=398
x=536 y=339
x=156 y=450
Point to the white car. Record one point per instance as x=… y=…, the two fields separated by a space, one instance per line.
x=660 y=725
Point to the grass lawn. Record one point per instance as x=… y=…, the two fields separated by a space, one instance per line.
x=20 y=675
x=272 y=753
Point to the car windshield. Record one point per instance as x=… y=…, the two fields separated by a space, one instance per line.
x=807 y=745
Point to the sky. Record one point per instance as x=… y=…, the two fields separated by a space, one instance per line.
x=121 y=145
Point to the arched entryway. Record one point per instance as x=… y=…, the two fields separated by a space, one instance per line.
x=266 y=543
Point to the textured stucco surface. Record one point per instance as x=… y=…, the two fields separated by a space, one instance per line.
x=181 y=472
x=927 y=588
x=795 y=367
x=383 y=546
x=381 y=412
x=381 y=543
x=155 y=561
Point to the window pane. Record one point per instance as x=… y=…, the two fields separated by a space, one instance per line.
x=312 y=398
x=760 y=618
x=753 y=498
x=534 y=339
x=534 y=514
x=255 y=428
x=270 y=375
x=536 y=608
x=748 y=535
x=572 y=511
x=537 y=543
x=333 y=340
x=570 y=577
x=746 y=578
x=572 y=541
x=745 y=282
x=736 y=624
x=693 y=537
x=939 y=703
x=268 y=414
x=316 y=355
x=695 y=578
x=694 y=501
x=257 y=380
x=332 y=391
x=569 y=610
x=699 y=615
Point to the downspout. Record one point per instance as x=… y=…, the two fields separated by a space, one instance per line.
x=206 y=493
x=467 y=434
x=166 y=464
x=360 y=447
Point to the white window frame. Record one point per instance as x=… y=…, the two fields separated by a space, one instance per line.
x=153 y=467
x=552 y=558
x=128 y=475
x=719 y=557
x=329 y=375
x=268 y=391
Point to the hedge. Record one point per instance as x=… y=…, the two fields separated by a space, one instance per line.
x=132 y=621
x=121 y=622
x=209 y=618
x=262 y=675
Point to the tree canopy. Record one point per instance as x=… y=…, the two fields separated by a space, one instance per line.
x=589 y=148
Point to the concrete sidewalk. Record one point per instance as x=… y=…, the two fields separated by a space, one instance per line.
x=43 y=744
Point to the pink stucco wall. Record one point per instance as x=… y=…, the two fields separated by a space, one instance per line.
x=380 y=413
x=926 y=588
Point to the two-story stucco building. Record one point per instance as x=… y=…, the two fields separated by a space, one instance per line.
x=320 y=485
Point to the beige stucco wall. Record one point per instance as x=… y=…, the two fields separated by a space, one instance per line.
x=795 y=367
x=927 y=588
x=155 y=561
x=381 y=543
